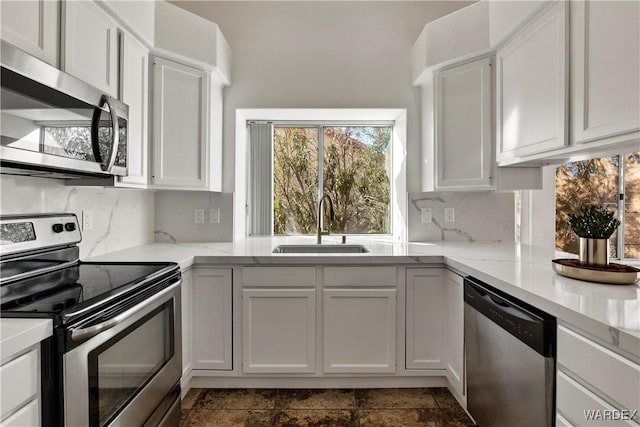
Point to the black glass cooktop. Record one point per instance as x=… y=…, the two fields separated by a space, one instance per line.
x=77 y=287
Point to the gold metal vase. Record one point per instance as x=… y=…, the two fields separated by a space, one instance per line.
x=594 y=251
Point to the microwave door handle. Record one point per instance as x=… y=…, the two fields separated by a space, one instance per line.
x=115 y=135
x=83 y=334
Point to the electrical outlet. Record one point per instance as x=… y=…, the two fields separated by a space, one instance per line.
x=425 y=215
x=214 y=216
x=198 y=216
x=87 y=220
x=449 y=215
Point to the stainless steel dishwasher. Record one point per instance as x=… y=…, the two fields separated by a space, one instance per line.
x=510 y=359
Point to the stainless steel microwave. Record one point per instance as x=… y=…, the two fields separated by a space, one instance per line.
x=55 y=125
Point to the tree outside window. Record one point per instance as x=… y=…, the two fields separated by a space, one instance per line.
x=601 y=181
x=355 y=173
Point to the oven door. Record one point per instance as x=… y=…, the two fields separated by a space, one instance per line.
x=127 y=366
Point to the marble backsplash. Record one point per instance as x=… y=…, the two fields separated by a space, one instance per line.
x=482 y=216
x=122 y=217
x=175 y=216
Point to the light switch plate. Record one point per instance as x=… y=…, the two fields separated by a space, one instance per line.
x=198 y=216
x=87 y=220
x=425 y=215
x=449 y=215
x=214 y=216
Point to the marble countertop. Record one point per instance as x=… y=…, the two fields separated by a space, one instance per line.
x=609 y=312
x=19 y=334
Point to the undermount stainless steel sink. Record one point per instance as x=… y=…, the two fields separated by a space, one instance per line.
x=320 y=249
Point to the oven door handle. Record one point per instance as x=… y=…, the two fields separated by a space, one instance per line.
x=84 y=334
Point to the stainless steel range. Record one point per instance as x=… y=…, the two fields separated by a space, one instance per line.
x=114 y=358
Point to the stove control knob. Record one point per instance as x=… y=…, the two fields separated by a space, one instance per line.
x=57 y=228
x=70 y=226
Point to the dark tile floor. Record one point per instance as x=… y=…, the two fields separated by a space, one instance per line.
x=433 y=407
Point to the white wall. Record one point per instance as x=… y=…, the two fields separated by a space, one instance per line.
x=319 y=54
x=122 y=217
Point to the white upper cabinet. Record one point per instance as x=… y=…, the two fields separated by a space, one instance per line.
x=463 y=126
x=32 y=25
x=90 y=45
x=532 y=91
x=134 y=91
x=605 y=69
x=459 y=152
x=180 y=140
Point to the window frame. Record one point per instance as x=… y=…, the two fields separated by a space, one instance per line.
x=621 y=199
x=320 y=125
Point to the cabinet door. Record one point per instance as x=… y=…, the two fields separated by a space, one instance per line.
x=134 y=87
x=212 y=319
x=278 y=330
x=28 y=416
x=574 y=401
x=91 y=45
x=32 y=25
x=605 y=69
x=20 y=381
x=454 y=331
x=179 y=125
x=531 y=74
x=463 y=126
x=425 y=314
x=359 y=330
x=186 y=293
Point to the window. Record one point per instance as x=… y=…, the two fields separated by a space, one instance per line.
x=349 y=163
x=610 y=181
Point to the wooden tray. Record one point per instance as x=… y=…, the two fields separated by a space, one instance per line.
x=614 y=274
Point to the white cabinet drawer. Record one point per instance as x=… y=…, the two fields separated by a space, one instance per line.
x=279 y=276
x=562 y=421
x=360 y=276
x=19 y=381
x=576 y=403
x=28 y=416
x=587 y=360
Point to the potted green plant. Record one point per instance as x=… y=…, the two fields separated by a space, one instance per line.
x=594 y=225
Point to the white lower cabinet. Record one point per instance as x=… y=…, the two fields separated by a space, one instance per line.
x=27 y=416
x=186 y=292
x=587 y=393
x=435 y=323
x=20 y=390
x=454 y=331
x=212 y=327
x=359 y=330
x=278 y=330
x=425 y=310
